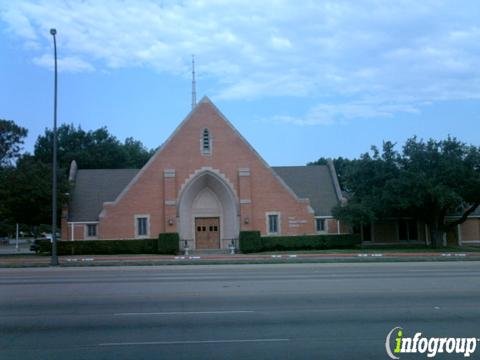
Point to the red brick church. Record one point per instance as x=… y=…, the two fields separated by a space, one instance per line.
x=207 y=183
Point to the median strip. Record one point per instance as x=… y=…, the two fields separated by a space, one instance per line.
x=185 y=342
x=185 y=313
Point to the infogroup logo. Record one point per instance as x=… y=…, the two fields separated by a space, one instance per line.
x=432 y=346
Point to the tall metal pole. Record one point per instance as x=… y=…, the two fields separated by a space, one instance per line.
x=16 y=240
x=194 y=85
x=54 y=261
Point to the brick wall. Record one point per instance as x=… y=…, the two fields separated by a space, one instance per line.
x=153 y=193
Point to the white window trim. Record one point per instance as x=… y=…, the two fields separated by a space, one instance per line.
x=325 y=228
x=279 y=223
x=210 y=143
x=85 y=231
x=136 y=226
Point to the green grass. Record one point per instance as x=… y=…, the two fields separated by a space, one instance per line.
x=382 y=249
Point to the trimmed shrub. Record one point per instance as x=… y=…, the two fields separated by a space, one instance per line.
x=342 y=241
x=168 y=243
x=298 y=242
x=43 y=246
x=250 y=241
x=162 y=245
x=107 y=247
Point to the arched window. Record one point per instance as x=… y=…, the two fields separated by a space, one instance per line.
x=206 y=142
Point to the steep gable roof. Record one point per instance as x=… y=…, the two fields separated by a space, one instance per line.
x=312 y=182
x=94 y=187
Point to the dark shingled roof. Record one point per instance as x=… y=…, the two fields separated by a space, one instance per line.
x=312 y=182
x=93 y=187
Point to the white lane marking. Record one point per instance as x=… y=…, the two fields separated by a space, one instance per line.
x=192 y=342
x=186 y=313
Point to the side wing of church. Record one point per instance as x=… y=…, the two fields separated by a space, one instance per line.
x=206 y=183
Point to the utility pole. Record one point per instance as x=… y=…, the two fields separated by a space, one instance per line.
x=54 y=260
x=16 y=240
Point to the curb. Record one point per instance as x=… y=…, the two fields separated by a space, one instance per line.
x=86 y=260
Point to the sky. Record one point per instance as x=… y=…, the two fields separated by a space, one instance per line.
x=300 y=80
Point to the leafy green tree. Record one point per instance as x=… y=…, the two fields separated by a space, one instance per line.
x=26 y=188
x=11 y=139
x=136 y=154
x=96 y=149
x=429 y=180
x=27 y=192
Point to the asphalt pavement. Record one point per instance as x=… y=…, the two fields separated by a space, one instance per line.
x=294 y=311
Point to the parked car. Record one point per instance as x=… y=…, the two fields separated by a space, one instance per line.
x=49 y=236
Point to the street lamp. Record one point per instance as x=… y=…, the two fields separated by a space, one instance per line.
x=54 y=260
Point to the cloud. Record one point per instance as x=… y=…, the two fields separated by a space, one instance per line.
x=372 y=58
x=20 y=24
x=328 y=114
x=280 y=43
x=65 y=64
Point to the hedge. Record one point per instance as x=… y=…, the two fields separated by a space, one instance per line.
x=251 y=241
x=167 y=243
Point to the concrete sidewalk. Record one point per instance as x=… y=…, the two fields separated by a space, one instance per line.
x=148 y=259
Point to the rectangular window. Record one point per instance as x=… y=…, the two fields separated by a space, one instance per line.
x=142 y=226
x=273 y=224
x=320 y=225
x=91 y=230
x=206 y=142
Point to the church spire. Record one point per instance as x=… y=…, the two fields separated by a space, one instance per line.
x=194 y=90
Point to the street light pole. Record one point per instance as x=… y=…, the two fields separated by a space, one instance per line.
x=54 y=260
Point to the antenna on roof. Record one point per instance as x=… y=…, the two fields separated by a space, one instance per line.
x=194 y=90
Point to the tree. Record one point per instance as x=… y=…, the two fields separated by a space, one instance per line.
x=27 y=192
x=96 y=149
x=428 y=181
x=26 y=188
x=11 y=139
x=136 y=154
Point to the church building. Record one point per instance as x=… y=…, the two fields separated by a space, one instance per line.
x=207 y=183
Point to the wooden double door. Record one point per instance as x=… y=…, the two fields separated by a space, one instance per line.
x=207 y=232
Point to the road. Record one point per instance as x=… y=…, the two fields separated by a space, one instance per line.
x=295 y=311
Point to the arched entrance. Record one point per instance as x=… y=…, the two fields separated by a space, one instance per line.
x=207 y=212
